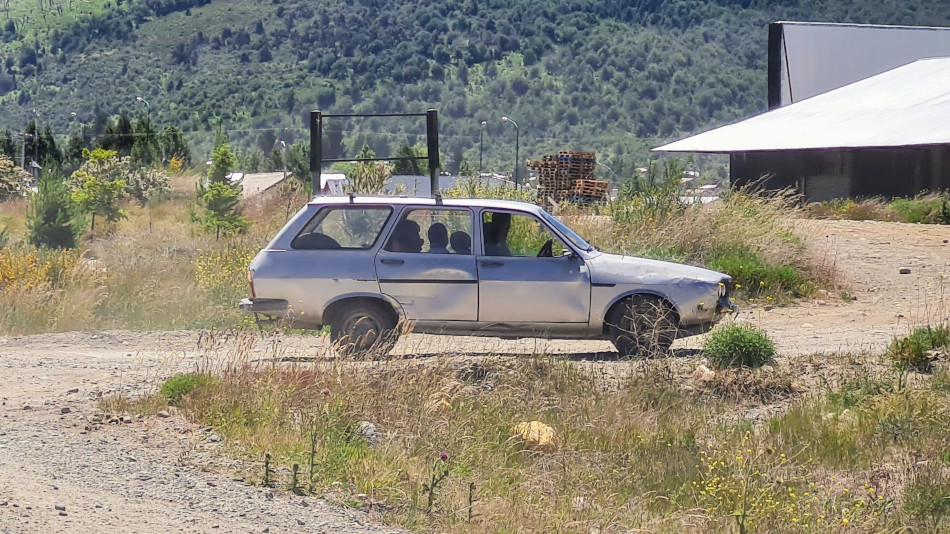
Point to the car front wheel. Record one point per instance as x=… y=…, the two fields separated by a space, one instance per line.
x=363 y=330
x=642 y=326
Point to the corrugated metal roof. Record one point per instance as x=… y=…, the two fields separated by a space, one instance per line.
x=906 y=106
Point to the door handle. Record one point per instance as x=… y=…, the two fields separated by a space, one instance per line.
x=392 y=262
x=492 y=263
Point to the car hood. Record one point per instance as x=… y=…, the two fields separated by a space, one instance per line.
x=616 y=269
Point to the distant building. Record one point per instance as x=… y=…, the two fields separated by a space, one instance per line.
x=886 y=135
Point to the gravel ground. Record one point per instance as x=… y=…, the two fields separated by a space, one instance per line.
x=61 y=472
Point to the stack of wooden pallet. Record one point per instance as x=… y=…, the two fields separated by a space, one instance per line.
x=589 y=191
x=568 y=175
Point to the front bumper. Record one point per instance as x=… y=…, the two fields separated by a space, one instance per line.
x=264 y=306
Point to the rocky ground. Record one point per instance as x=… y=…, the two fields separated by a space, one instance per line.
x=65 y=470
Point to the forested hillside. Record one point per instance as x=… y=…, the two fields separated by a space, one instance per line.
x=616 y=76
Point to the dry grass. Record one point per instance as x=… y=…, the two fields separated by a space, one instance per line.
x=928 y=208
x=145 y=272
x=866 y=209
x=647 y=450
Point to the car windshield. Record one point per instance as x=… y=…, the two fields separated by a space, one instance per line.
x=567 y=232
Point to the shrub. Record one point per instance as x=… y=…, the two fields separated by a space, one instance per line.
x=31 y=267
x=738 y=346
x=13 y=179
x=53 y=220
x=929 y=209
x=912 y=352
x=178 y=386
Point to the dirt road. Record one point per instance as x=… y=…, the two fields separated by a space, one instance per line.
x=148 y=475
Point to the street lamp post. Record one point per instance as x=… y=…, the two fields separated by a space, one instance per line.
x=36 y=146
x=481 y=147
x=517 y=136
x=286 y=153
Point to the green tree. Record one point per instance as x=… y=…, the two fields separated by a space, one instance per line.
x=53 y=220
x=298 y=162
x=223 y=161
x=145 y=146
x=415 y=167
x=146 y=184
x=222 y=215
x=172 y=144
x=368 y=177
x=100 y=183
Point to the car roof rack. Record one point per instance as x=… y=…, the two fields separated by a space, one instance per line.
x=432 y=146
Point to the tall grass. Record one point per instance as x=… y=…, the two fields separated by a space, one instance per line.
x=747 y=235
x=152 y=271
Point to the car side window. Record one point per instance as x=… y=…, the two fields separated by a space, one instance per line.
x=344 y=227
x=433 y=231
x=518 y=235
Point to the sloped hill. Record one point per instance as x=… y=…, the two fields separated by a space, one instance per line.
x=615 y=76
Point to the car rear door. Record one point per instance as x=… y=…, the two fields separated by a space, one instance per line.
x=419 y=269
x=515 y=285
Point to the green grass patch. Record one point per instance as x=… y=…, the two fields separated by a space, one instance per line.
x=176 y=387
x=758 y=279
x=928 y=209
x=912 y=352
x=736 y=345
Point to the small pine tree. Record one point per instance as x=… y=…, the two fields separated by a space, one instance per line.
x=53 y=220
x=222 y=214
x=223 y=161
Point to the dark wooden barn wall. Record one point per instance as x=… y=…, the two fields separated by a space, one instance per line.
x=889 y=172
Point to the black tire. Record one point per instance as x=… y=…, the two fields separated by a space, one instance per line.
x=363 y=329
x=642 y=326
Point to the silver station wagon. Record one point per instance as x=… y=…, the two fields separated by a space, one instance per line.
x=373 y=267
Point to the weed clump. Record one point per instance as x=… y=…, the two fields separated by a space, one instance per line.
x=739 y=346
x=913 y=352
x=926 y=496
x=180 y=385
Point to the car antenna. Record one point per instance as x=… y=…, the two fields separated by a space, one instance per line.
x=352 y=197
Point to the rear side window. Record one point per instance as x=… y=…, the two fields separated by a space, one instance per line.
x=349 y=227
x=433 y=231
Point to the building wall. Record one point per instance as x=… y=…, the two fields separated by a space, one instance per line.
x=826 y=174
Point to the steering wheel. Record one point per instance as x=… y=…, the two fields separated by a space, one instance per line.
x=547 y=249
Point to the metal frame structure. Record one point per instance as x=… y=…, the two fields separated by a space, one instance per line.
x=432 y=145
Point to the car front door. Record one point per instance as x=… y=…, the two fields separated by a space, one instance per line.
x=428 y=267
x=526 y=274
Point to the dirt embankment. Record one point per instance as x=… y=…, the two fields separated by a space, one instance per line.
x=61 y=473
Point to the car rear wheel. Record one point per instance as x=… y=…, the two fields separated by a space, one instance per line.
x=642 y=326
x=363 y=330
